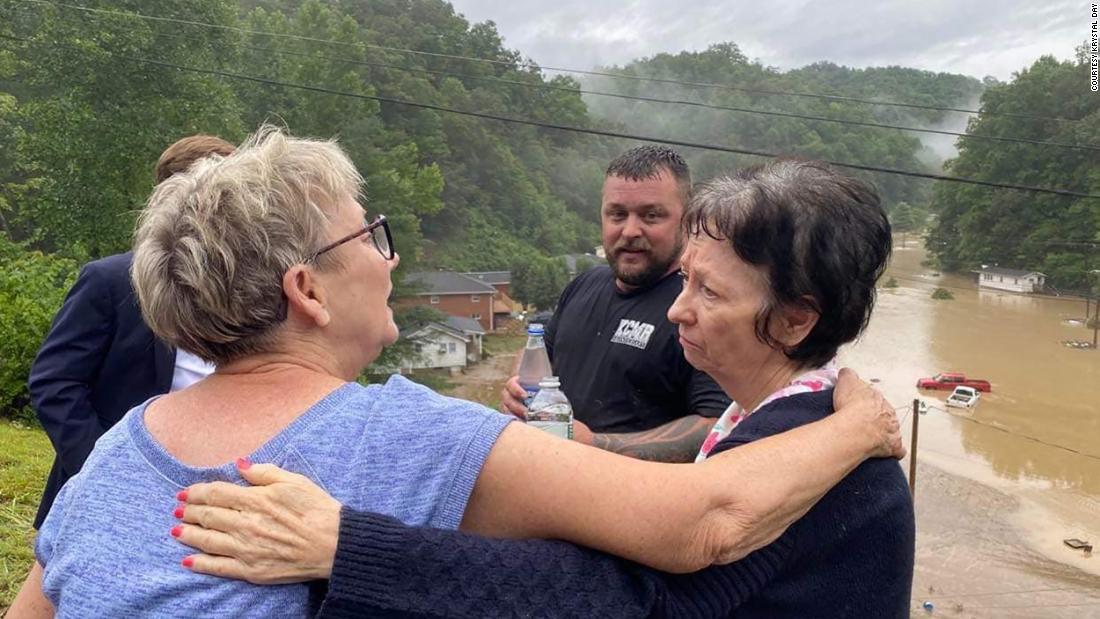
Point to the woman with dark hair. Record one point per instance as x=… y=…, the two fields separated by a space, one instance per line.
x=779 y=272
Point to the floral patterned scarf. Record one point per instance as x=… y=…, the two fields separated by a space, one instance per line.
x=815 y=380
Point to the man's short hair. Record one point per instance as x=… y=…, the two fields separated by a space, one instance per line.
x=646 y=162
x=185 y=152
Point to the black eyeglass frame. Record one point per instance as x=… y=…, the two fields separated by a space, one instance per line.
x=378 y=221
x=367 y=229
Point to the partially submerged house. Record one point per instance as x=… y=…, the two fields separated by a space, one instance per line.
x=1013 y=280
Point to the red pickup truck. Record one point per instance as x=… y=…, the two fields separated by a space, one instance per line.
x=950 y=380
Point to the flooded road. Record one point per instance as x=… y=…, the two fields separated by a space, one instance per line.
x=1041 y=388
x=1034 y=441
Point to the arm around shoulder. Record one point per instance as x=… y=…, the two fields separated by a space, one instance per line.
x=534 y=485
x=678 y=518
x=384 y=566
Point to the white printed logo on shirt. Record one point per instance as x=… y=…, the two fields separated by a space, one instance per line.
x=633 y=333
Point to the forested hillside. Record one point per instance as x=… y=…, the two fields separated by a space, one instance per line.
x=726 y=64
x=91 y=93
x=1053 y=234
x=93 y=120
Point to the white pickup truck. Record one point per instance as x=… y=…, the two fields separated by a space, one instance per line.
x=964 y=397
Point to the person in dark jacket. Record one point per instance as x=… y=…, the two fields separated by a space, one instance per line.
x=99 y=359
x=780 y=271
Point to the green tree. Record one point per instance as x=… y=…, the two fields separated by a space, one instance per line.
x=584 y=263
x=725 y=63
x=977 y=225
x=539 y=281
x=100 y=119
x=907 y=218
x=32 y=286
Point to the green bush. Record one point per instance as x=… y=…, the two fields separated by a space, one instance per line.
x=32 y=287
x=942 y=294
x=891 y=283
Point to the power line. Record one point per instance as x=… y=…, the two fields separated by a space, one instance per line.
x=1090 y=244
x=569 y=128
x=1005 y=430
x=940 y=596
x=933 y=407
x=1016 y=434
x=582 y=91
x=537 y=67
x=1038 y=606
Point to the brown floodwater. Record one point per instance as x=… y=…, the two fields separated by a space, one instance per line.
x=1037 y=435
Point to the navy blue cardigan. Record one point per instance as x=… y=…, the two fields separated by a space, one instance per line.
x=851 y=555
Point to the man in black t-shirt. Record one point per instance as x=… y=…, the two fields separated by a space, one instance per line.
x=610 y=341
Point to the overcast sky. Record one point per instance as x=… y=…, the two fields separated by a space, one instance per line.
x=973 y=37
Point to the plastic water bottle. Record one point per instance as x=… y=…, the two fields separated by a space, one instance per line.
x=550 y=411
x=534 y=365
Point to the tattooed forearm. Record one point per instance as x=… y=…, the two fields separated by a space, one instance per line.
x=676 y=441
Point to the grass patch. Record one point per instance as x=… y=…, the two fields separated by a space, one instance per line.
x=438 y=380
x=942 y=294
x=497 y=343
x=24 y=464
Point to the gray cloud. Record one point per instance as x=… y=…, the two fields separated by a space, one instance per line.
x=976 y=38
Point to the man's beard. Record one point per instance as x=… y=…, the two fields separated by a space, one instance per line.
x=648 y=276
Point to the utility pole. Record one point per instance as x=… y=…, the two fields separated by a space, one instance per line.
x=1095 y=322
x=913 y=451
x=1094 y=277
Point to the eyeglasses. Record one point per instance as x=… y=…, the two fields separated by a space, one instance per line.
x=380 y=235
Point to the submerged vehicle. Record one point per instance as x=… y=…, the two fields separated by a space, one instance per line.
x=950 y=380
x=963 y=397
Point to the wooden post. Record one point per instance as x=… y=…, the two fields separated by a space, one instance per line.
x=913 y=451
x=1095 y=322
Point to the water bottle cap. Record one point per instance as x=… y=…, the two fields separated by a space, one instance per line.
x=534 y=329
x=549 y=382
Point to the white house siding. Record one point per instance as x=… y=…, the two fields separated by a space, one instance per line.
x=439 y=350
x=1010 y=283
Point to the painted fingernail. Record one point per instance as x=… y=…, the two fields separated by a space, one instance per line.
x=177 y=531
x=182 y=495
x=243 y=463
x=188 y=562
x=178 y=513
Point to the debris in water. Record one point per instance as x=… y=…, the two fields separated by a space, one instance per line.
x=1078 y=544
x=1076 y=344
x=928 y=606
